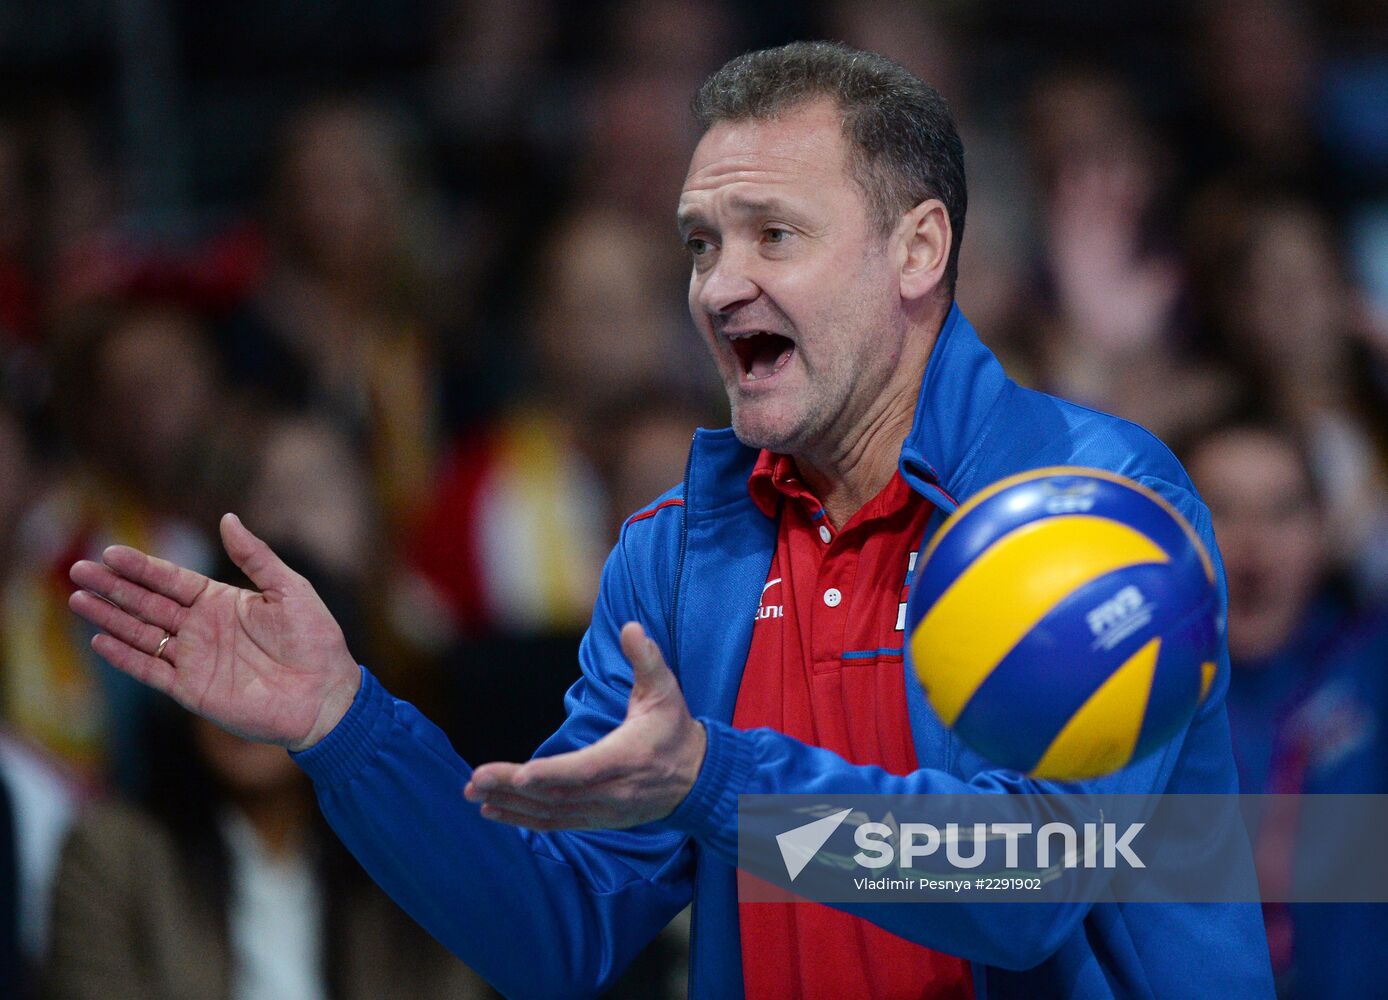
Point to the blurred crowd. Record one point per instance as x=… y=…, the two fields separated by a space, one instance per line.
x=399 y=284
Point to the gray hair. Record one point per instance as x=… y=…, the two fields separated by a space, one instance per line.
x=903 y=145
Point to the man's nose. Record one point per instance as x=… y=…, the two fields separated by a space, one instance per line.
x=728 y=285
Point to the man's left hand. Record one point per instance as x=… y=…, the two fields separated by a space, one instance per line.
x=635 y=774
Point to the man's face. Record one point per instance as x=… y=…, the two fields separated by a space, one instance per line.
x=793 y=285
x=1269 y=531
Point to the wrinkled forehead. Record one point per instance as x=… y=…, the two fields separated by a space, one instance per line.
x=804 y=145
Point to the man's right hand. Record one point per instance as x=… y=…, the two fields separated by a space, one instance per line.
x=270 y=666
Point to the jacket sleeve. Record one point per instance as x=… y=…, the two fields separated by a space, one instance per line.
x=537 y=914
x=1007 y=935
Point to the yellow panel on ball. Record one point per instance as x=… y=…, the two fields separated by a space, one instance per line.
x=972 y=626
x=1100 y=737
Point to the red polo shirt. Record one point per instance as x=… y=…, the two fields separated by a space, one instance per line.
x=825 y=667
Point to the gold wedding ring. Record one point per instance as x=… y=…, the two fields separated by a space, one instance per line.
x=159 y=650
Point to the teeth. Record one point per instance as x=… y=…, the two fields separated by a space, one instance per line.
x=748 y=334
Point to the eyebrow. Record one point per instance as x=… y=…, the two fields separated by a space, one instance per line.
x=686 y=220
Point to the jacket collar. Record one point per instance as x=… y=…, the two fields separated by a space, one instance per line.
x=962 y=383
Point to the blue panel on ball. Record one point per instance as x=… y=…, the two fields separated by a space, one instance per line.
x=1033 y=499
x=1176 y=686
x=1031 y=694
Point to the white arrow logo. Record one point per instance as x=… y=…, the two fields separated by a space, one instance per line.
x=799 y=846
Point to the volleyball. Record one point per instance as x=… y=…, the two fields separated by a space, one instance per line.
x=1064 y=622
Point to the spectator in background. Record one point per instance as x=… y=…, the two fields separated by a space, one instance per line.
x=638 y=136
x=1111 y=337
x=509 y=551
x=37 y=798
x=224 y=883
x=220 y=879
x=1308 y=697
x=312 y=492
x=346 y=320
x=1287 y=312
x=510 y=547
x=648 y=434
x=55 y=205
x=502 y=131
x=140 y=401
x=490 y=70
x=84 y=251
x=916 y=35
x=310 y=489
x=1255 y=63
x=513 y=538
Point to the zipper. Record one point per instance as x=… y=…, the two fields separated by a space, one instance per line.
x=679 y=560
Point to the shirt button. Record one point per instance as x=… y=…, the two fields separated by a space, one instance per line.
x=825 y=534
x=832 y=597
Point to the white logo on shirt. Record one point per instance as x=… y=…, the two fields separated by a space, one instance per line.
x=769 y=611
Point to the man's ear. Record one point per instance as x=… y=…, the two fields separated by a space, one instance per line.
x=925 y=239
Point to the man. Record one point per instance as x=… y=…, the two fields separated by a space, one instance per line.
x=822 y=212
x=1308 y=694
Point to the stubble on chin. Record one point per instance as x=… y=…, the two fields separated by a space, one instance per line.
x=780 y=432
x=751 y=427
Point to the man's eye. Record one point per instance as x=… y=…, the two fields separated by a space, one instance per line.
x=697 y=246
x=775 y=235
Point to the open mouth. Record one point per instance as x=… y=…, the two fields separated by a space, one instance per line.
x=761 y=353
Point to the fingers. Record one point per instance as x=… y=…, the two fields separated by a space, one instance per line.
x=609 y=758
x=129 y=596
x=642 y=653
x=599 y=809
x=513 y=818
x=520 y=810
x=624 y=779
x=560 y=778
x=179 y=585
x=494 y=775
x=123 y=626
x=147 y=669
x=600 y=786
x=518 y=805
x=647 y=664
x=254 y=557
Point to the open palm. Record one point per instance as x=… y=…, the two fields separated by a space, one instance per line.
x=270 y=665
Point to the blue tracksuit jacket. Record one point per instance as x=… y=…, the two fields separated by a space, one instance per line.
x=560 y=915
